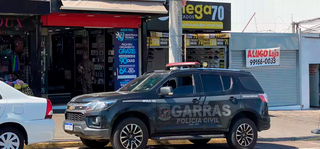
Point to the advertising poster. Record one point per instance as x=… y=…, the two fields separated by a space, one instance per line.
x=262 y=57
x=126 y=54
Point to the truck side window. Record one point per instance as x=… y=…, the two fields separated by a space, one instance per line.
x=227 y=82
x=211 y=83
x=181 y=84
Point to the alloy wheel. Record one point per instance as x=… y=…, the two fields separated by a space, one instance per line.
x=131 y=136
x=9 y=140
x=244 y=135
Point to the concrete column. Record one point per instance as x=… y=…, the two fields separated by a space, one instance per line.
x=175 y=31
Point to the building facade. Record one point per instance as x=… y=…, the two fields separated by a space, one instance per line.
x=110 y=32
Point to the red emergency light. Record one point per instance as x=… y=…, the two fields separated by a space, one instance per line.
x=184 y=64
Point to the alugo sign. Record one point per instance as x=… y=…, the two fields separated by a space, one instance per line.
x=262 y=57
x=206 y=15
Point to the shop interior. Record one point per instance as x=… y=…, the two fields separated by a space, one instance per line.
x=314 y=79
x=15 y=52
x=212 y=57
x=14 y=56
x=67 y=46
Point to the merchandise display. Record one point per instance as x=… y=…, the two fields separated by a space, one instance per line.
x=214 y=57
x=13 y=66
x=97 y=56
x=17 y=84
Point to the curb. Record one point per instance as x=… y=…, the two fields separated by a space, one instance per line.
x=79 y=143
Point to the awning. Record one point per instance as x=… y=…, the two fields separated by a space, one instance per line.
x=115 y=6
x=25 y=7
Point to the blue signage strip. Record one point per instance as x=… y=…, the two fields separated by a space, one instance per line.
x=126 y=56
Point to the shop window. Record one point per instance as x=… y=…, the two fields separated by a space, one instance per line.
x=14 y=63
x=211 y=83
x=181 y=85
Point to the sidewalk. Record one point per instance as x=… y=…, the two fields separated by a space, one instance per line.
x=289 y=129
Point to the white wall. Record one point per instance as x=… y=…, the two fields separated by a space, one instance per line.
x=271 y=15
x=309 y=54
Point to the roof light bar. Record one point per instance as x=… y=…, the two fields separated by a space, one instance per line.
x=184 y=65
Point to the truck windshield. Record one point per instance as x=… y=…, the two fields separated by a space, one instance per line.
x=144 y=82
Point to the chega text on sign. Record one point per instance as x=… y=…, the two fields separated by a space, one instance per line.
x=263 y=53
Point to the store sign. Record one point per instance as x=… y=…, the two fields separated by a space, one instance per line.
x=312 y=70
x=199 y=16
x=202 y=15
x=208 y=39
x=262 y=57
x=157 y=41
x=15 y=23
x=126 y=60
x=161 y=39
x=7 y=22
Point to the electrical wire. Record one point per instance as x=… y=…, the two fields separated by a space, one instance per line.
x=275 y=22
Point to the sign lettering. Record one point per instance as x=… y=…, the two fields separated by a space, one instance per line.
x=262 y=57
x=8 y=23
x=204 y=15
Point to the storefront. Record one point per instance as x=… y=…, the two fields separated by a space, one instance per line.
x=274 y=61
x=309 y=70
x=19 y=44
x=203 y=41
x=109 y=32
x=203 y=48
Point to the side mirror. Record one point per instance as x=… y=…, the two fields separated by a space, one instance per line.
x=167 y=90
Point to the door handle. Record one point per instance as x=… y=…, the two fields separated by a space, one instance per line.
x=232 y=99
x=195 y=101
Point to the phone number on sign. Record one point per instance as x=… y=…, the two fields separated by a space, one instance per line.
x=262 y=61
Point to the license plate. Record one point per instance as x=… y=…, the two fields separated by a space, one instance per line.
x=68 y=126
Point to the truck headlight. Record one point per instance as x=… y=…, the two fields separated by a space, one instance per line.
x=100 y=105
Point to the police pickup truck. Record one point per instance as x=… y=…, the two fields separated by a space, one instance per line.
x=191 y=103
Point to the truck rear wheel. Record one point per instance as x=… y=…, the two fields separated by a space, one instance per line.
x=243 y=134
x=130 y=133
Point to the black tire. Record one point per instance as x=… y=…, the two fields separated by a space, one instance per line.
x=93 y=143
x=16 y=132
x=119 y=127
x=200 y=142
x=232 y=134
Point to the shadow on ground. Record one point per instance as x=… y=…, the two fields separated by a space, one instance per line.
x=310 y=138
x=211 y=146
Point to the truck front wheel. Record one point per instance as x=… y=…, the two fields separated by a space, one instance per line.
x=130 y=133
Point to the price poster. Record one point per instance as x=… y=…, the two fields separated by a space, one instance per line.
x=262 y=57
x=126 y=62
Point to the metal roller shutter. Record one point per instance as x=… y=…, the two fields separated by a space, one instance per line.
x=279 y=82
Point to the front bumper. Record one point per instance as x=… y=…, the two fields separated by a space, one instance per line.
x=264 y=123
x=81 y=129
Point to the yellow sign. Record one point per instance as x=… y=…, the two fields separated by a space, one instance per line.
x=202 y=25
x=156 y=34
x=154 y=41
